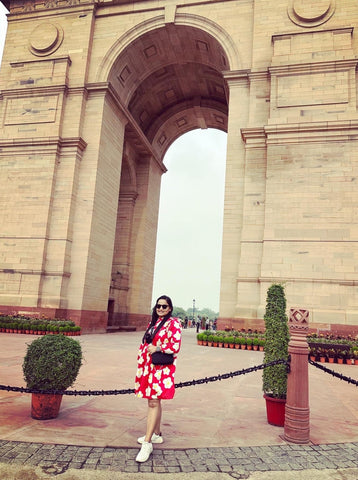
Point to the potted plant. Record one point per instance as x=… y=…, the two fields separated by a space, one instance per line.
x=210 y=340
x=355 y=355
x=226 y=342
x=331 y=355
x=216 y=340
x=322 y=354
x=51 y=364
x=274 y=378
x=341 y=355
x=313 y=353
x=237 y=342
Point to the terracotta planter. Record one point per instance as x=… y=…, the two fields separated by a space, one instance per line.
x=356 y=361
x=215 y=344
x=275 y=410
x=255 y=347
x=261 y=349
x=340 y=360
x=210 y=344
x=243 y=346
x=330 y=359
x=220 y=345
x=322 y=359
x=249 y=347
x=237 y=346
x=45 y=406
x=232 y=345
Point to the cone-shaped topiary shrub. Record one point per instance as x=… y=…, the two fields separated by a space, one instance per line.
x=276 y=342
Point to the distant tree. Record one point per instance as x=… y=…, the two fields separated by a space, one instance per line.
x=207 y=312
x=204 y=312
x=179 y=312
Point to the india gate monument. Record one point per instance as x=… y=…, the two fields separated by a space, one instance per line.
x=93 y=93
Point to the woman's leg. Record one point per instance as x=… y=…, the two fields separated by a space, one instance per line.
x=153 y=419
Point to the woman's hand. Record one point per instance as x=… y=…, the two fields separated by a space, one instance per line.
x=152 y=349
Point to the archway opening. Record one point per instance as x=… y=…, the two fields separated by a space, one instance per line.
x=170 y=83
x=189 y=239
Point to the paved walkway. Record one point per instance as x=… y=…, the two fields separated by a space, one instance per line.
x=217 y=429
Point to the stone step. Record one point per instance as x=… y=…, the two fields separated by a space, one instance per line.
x=121 y=328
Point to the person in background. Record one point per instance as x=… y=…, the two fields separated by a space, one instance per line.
x=156 y=382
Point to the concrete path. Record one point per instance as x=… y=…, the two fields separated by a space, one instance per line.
x=218 y=429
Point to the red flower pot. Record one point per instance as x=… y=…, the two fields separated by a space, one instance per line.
x=45 y=406
x=275 y=410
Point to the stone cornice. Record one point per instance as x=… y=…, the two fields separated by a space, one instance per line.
x=45 y=143
x=296 y=280
x=314 y=67
x=34 y=91
x=254 y=137
x=340 y=130
x=47 y=273
x=237 y=77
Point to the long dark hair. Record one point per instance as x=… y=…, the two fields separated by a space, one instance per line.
x=154 y=311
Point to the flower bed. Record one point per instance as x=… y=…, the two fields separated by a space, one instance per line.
x=244 y=340
x=333 y=348
x=322 y=348
x=37 y=326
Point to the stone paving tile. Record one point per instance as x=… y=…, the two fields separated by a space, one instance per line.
x=236 y=461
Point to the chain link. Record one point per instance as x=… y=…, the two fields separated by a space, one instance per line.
x=189 y=383
x=333 y=373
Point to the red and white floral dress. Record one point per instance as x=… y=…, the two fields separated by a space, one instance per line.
x=157 y=381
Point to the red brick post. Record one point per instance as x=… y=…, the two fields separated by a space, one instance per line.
x=297 y=425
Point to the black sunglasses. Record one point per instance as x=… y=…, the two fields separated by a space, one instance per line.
x=161 y=306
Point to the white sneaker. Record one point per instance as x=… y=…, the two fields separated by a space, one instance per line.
x=155 y=439
x=144 y=452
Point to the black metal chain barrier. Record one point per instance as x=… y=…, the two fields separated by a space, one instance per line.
x=189 y=383
x=333 y=373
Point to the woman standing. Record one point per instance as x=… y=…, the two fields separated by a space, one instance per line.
x=156 y=382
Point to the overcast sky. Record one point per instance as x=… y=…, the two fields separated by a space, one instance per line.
x=188 y=255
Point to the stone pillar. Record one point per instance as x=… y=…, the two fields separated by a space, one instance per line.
x=238 y=83
x=143 y=241
x=297 y=427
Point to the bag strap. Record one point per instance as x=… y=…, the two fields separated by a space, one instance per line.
x=156 y=330
x=159 y=327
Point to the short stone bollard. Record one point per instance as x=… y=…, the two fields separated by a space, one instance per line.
x=297 y=424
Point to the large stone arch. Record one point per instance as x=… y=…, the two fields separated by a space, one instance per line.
x=82 y=143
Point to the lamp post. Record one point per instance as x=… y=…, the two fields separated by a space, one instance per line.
x=193 y=309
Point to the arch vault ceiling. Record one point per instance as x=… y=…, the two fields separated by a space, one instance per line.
x=170 y=81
